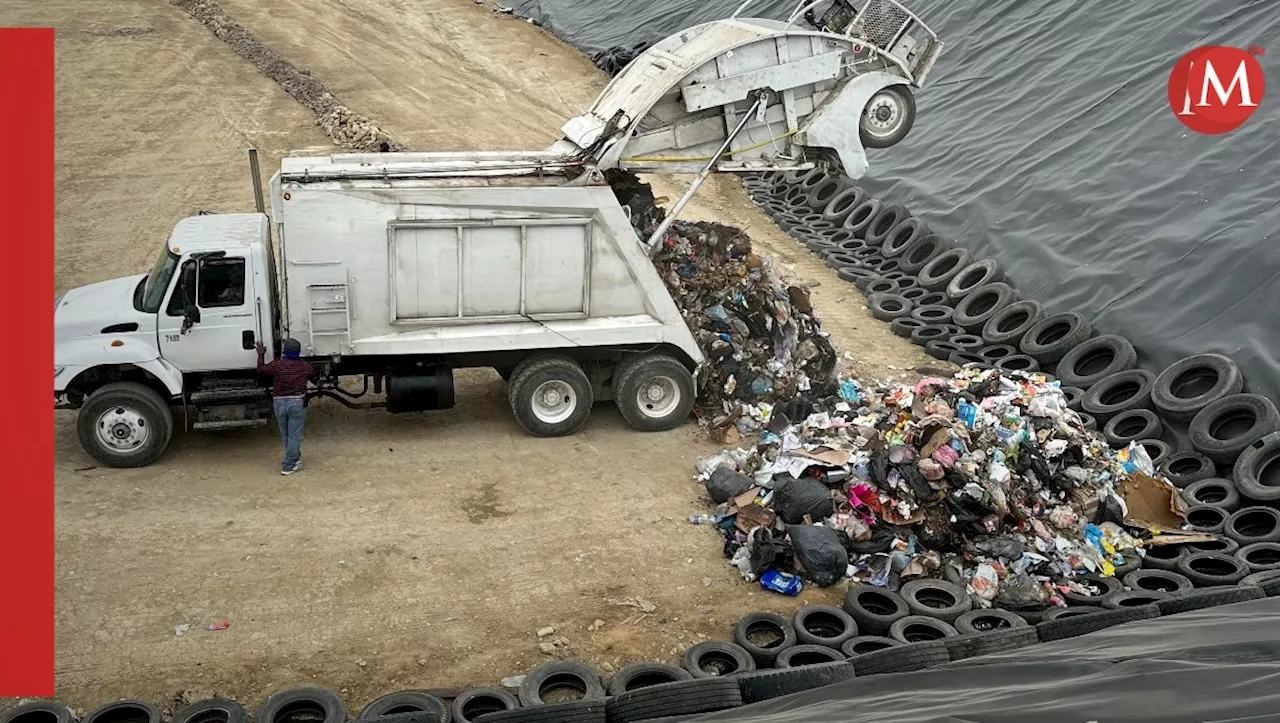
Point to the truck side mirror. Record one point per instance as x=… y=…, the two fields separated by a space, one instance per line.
x=188 y=282
x=190 y=316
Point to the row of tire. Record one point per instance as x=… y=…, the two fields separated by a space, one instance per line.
x=771 y=656
x=966 y=311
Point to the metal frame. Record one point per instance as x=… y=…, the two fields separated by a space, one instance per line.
x=460 y=227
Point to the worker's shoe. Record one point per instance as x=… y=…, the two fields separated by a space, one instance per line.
x=290 y=470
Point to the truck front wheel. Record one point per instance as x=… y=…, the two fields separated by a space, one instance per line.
x=888 y=117
x=653 y=392
x=125 y=424
x=551 y=396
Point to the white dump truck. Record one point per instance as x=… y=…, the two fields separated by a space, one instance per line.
x=394 y=269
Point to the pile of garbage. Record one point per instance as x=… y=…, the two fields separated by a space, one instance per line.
x=766 y=351
x=986 y=479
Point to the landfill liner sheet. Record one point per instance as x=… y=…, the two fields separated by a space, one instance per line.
x=1045 y=140
x=1216 y=664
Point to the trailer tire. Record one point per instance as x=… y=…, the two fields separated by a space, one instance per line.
x=654 y=393
x=125 y=424
x=550 y=375
x=887 y=117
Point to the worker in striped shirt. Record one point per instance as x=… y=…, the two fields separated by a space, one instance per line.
x=289 y=377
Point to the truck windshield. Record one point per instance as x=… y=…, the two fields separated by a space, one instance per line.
x=150 y=292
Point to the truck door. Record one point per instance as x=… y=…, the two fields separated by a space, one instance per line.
x=225 y=336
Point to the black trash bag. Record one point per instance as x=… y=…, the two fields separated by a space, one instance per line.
x=916 y=481
x=767 y=552
x=1109 y=511
x=878 y=468
x=795 y=498
x=818 y=550
x=882 y=539
x=725 y=483
x=1005 y=547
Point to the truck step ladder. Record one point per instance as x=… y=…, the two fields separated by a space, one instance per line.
x=328 y=318
x=229 y=404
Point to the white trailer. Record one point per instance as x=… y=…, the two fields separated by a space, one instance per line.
x=395 y=269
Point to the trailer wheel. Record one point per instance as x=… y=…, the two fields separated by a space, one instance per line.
x=654 y=393
x=125 y=424
x=888 y=117
x=550 y=396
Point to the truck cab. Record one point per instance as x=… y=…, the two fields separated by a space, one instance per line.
x=127 y=349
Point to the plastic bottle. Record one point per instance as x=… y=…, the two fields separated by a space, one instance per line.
x=701 y=520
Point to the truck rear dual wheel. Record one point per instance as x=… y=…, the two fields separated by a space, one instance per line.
x=550 y=396
x=125 y=424
x=654 y=392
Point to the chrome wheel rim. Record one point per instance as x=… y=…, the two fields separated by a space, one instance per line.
x=122 y=429
x=883 y=115
x=554 y=401
x=658 y=397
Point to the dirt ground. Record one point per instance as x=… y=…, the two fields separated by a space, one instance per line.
x=413 y=552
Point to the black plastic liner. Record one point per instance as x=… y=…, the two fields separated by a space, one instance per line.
x=1045 y=141
x=1215 y=664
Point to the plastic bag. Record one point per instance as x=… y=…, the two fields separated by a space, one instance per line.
x=818 y=550
x=725 y=484
x=795 y=498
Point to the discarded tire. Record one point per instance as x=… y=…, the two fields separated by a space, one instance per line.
x=807 y=654
x=1225 y=545
x=995 y=352
x=823 y=625
x=643 y=675
x=1157 y=449
x=882 y=225
x=574 y=711
x=842 y=203
x=905 y=327
x=1070 y=627
x=941 y=349
x=1088 y=421
x=1184 y=468
x=961 y=358
x=472 y=704
x=929 y=332
x=717 y=659
x=920 y=628
x=1018 y=363
x=1130 y=426
x=1257 y=471
x=1157 y=581
x=1054 y=336
x=1216 y=491
x=974 y=645
x=1260 y=556
x=874 y=609
x=921 y=251
x=1191 y=384
x=936 y=598
x=1096 y=359
x=859 y=277
x=568 y=676
x=1163 y=557
x=408 y=701
x=985 y=621
x=902 y=236
x=981 y=304
x=882 y=286
x=1071 y=612
x=768 y=684
x=1251 y=525
x=863 y=644
x=967 y=342
x=685 y=697
x=316 y=704
x=763 y=635
x=972 y=277
x=44 y=711
x=1118 y=393
x=1133 y=598
x=1206 y=569
x=860 y=216
x=938 y=273
x=1207 y=518
x=822 y=193
x=1222 y=430
x=1011 y=324
x=902 y=659
x=1208 y=598
x=933 y=314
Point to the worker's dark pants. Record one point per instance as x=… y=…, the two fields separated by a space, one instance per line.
x=291 y=415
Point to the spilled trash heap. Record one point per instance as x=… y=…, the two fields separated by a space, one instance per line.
x=986 y=479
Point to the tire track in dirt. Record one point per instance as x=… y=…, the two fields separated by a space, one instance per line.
x=347 y=128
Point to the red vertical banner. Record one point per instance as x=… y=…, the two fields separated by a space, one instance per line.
x=26 y=432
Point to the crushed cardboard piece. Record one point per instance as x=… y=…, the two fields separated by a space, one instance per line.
x=829 y=457
x=753 y=516
x=1152 y=503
